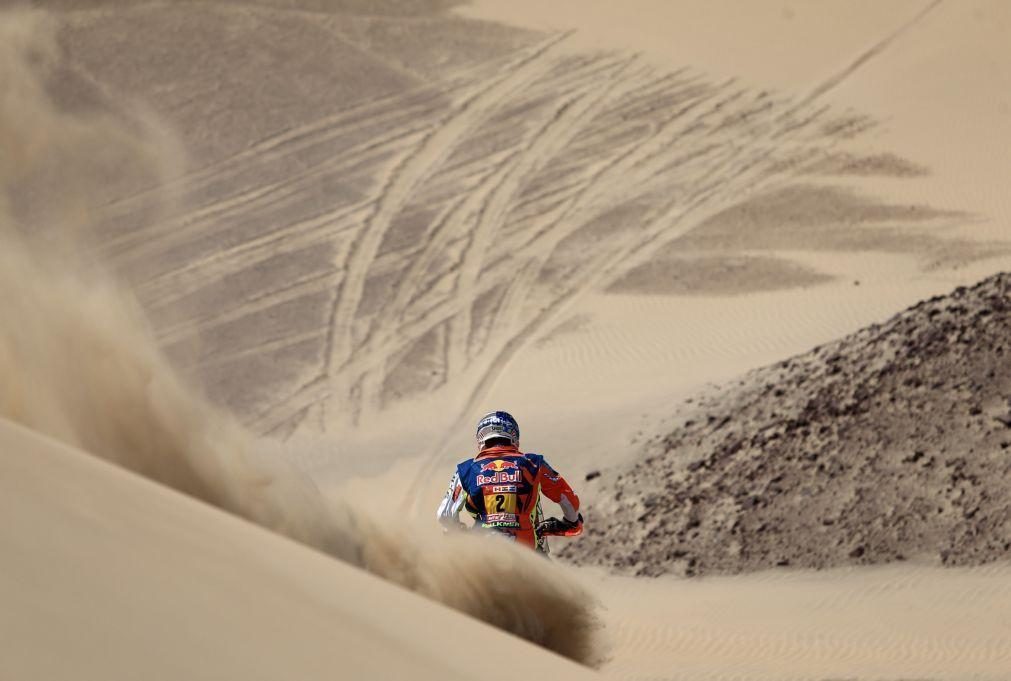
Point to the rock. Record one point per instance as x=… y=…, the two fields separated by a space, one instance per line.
x=793 y=461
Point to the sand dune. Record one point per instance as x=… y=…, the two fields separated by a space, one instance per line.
x=353 y=226
x=551 y=156
x=109 y=576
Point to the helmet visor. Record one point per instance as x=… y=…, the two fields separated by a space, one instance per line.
x=491 y=432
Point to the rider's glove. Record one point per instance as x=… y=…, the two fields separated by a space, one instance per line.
x=561 y=527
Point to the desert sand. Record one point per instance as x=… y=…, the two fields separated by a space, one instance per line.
x=107 y=575
x=279 y=255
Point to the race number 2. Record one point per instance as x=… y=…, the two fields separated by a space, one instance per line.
x=504 y=502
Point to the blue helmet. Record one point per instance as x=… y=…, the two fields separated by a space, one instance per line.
x=498 y=424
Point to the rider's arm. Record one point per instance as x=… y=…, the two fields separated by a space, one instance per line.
x=449 y=510
x=555 y=488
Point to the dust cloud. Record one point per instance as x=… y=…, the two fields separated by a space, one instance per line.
x=79 y=363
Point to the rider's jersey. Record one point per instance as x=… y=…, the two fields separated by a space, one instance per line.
x=501 y=488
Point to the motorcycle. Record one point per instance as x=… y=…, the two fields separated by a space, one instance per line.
x=551 y=527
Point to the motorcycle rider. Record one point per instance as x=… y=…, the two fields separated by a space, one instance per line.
x=501 y=487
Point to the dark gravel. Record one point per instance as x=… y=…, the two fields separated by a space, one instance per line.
x=891 y=444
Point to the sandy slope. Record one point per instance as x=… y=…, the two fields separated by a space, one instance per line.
x=427 y=218
x=412 y=233
x=942 y=72
x=607 y=366
x=109 y=576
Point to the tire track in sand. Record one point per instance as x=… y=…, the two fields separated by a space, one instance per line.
x=552 y=139
x=489 y=207
x=712 y=189
x=395 y=194
x=445 y=310
x=729 y=149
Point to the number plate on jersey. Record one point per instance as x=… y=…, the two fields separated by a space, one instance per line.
x=500 y=503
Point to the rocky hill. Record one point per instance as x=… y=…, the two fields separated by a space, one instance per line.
x=891 y=444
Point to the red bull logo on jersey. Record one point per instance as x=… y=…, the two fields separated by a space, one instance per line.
x=498 y=465
x=502 y=472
